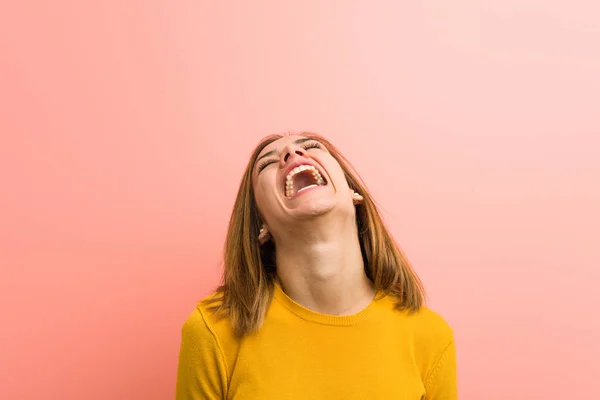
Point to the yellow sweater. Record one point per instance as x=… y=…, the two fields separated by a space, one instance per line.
x=378 y=353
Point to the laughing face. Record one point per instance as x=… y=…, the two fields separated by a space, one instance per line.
x=295 y=177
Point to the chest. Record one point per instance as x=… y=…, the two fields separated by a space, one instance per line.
x=329 y=365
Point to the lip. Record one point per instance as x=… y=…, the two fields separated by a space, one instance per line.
x=297 y=163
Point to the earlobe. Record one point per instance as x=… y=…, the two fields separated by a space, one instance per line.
x=357 y=198
x=264 y=235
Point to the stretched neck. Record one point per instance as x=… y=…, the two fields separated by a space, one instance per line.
x=320 y=266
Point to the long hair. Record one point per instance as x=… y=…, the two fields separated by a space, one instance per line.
x=248 y=278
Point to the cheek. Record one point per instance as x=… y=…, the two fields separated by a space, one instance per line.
x=336 y=173
x=263 y=190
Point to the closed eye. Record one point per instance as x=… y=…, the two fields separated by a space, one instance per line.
x=312 y=145
x=264 y=164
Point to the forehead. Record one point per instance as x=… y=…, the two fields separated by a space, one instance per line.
x=280 y=143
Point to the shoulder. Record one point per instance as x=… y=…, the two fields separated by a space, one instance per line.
x=431 y=337
x=205 y=325
x=197 y=325
x=428 y=332
x=206 y=321
x=430 y=326
x=424 y=324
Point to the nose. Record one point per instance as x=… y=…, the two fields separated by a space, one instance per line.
x=291 y=150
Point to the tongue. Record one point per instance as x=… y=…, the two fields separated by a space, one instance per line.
x=303 y=180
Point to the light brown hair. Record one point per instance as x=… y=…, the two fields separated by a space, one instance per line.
x=249 y=269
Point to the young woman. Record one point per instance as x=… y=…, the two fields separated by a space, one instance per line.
x=317 y=300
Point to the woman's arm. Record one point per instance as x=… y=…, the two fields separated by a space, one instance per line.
x=441 y=382
x=202 y=372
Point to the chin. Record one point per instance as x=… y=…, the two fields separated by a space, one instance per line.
x=315 y=208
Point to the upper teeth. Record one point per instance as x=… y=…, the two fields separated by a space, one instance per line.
x=289 y=182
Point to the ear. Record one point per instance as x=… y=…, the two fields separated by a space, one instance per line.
x=356 y=197
x=264 y=236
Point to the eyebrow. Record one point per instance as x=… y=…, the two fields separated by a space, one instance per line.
x=273 y=152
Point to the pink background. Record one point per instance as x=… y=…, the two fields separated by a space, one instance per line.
x=126 y=126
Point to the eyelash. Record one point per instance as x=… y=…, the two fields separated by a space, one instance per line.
x=264 y=164
x=312 y=145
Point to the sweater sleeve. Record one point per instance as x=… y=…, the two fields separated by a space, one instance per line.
x=202 y=372
x=441 y=382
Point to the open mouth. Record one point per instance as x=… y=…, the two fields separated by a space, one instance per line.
x=302 y=178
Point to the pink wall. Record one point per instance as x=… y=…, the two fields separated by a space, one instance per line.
x=126 y=125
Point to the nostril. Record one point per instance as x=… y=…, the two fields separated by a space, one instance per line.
x=287 y=155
